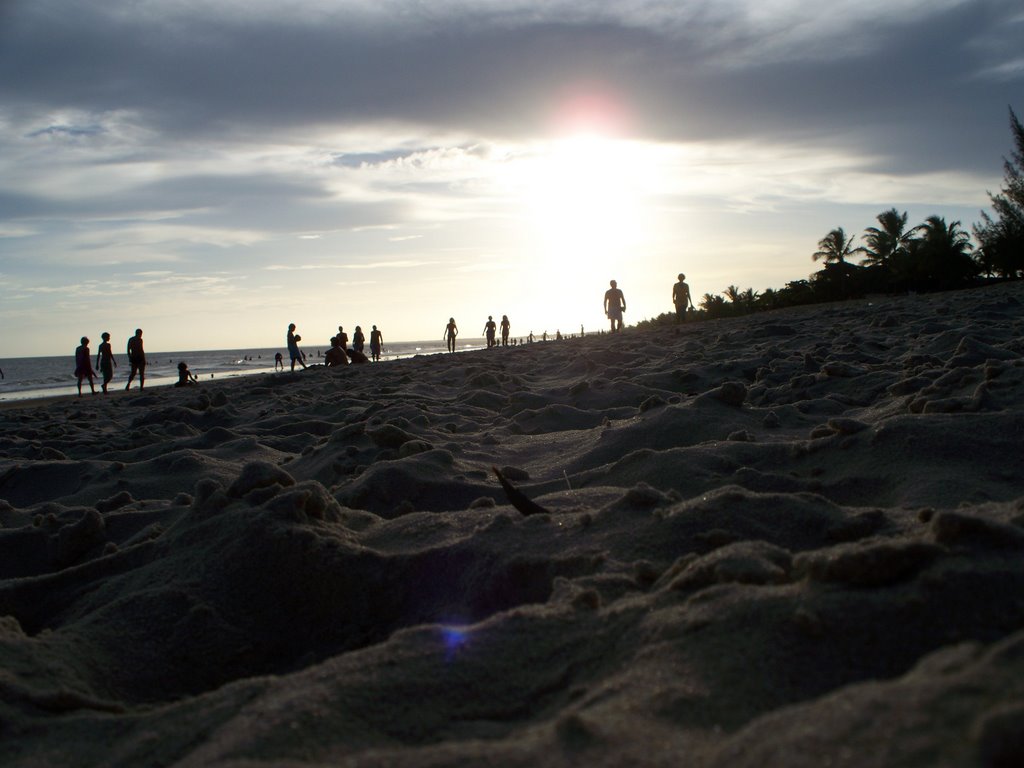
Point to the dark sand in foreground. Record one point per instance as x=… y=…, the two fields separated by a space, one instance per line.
x=791 y=539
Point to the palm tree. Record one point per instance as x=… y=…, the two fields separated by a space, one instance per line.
x=887 y=240
x=713 y=305
x=944 y=251
x=834 y=246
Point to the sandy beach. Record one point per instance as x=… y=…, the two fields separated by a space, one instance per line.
x=789 y=539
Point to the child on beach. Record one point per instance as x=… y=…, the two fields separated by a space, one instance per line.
x=105 y=360
x=83 y=366
x=185 y=376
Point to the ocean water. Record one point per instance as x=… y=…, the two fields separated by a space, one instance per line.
x=33 y=377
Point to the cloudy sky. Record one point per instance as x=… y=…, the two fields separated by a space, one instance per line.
x=213 y=171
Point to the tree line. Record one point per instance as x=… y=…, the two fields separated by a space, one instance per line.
x=896 y=258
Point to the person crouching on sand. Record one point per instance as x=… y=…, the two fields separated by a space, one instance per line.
x=185 y=376
x=83 y=366
x=335 y=356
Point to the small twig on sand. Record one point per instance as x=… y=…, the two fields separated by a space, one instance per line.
x=517 y=498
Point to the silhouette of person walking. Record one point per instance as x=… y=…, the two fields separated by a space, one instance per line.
x=358 y=339
x=506 y=326
x=105 y=360
x=614 y=305
x=376 y=344
x=490 y=327
x=83 y=366
x=293 y=347
x=137 y=360
x=681 y=298
x=450 y=332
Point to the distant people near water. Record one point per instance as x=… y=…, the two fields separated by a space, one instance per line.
x=506 y=326
x=490 y=328
x=342 y=337
x=681 y=298
x=376 y=344
x=336 y=354
x=529 y=339
x=278 y=362
x=293 y=347
x=185 y=377
x=614 y=305
x=137 y=360
x=358 y=339
x=558 y=335
x=450 y=332
x=83 y=366
x=105 y=360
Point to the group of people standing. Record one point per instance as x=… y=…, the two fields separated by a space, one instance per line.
x=490 y=331
x=106 y=362
x=339 y=353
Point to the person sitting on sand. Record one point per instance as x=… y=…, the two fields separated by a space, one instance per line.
x=336 y=354
x=137 y=360
x=293 y=347
x=450 y=332
x=506 y=326
x=185 y=376
x=83 y=366
x=376 y=344
x=105 y=360
x=355 y=356
x=614 y=305
x=358 y=339
x=681 y=298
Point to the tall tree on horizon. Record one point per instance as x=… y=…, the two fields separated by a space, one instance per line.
x=944 y=253
x=888 y=240
x=1002 y=239
x=834 y=247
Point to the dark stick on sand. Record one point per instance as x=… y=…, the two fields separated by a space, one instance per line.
x=518 y=499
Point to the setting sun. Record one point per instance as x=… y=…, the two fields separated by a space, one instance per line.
x=584 y=200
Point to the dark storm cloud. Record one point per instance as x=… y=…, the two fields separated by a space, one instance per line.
x=217 y=73
x=904 y=89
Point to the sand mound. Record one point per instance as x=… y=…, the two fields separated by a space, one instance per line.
x=783 y=540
